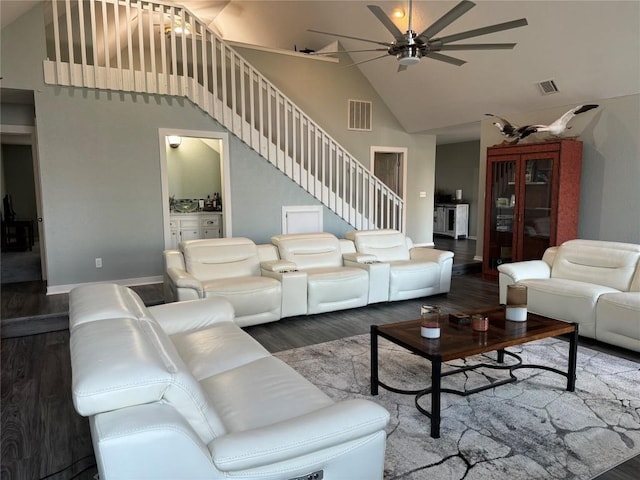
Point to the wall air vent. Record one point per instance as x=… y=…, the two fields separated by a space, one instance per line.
x=548 y=87
x=359 y=115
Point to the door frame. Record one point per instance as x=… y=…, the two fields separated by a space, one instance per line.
x=27 y=135
x=404 y=151
x=225 y=173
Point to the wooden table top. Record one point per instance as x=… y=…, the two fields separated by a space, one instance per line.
x=460 y=341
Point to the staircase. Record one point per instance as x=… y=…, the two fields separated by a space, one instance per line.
x=155 y=48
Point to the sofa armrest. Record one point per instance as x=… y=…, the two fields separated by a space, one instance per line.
x=523 y=270
x=430 y=254
x=338 y=423
x=294 y=287
x=180 y=317
x=510 y=273
x=278 y=266
x=379 y=277
x=183 y=279
x=359 y=258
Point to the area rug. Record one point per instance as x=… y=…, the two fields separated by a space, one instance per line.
x=531 y=429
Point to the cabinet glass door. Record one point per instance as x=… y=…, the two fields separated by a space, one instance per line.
x=537 y=207
x=502 y=223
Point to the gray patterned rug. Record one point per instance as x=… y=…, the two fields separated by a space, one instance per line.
x=531 y=429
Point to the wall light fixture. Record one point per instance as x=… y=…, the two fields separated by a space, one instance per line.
x=174 y=141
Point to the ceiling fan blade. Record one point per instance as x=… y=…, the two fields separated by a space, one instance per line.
x=386 y=21
x=365 y=61
x=350 y=51
x=448 y=18
x=476 y=46
x=445 y=58
x=386 y=44
x=499 y=27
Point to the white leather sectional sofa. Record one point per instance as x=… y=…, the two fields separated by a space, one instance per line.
x=593 y=283
x=179 y=391
x=301 y=274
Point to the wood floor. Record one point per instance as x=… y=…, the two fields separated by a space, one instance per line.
x=43 y=437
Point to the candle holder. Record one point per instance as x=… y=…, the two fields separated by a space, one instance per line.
x=516 y=309
x=479 y=323
x=430 y=321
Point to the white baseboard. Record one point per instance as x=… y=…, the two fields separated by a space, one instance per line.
x=126 y=282
x=477 y=258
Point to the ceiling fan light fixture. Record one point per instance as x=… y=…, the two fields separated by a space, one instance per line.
x=398 y=13
x=408 y=57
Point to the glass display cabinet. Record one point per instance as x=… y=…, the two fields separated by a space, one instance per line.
x=531 y=201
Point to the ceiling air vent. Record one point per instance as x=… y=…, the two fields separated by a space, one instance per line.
x=548 y=87
x=359 y=115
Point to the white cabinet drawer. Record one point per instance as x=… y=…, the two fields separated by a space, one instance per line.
x=211 y=221
x=189 y=223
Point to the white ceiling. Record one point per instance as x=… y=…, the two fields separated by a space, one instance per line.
x=590 y=48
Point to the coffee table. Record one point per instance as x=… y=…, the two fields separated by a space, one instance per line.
x=460 y=341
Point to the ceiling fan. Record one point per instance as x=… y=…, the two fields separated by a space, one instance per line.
x=410 y=47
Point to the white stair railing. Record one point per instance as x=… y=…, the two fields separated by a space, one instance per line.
x=136 y=45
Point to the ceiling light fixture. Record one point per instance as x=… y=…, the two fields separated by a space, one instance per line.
x=174 y=141
x=397 y=13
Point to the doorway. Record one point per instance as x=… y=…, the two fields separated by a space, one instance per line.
x=204 y=171
x=389 y=164
x=22 y=257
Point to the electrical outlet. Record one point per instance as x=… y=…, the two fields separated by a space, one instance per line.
x=98 y=263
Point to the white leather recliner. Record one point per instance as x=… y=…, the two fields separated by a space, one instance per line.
x=179 y=391
x=413 y=271
x=330 y=284
x=259 y=286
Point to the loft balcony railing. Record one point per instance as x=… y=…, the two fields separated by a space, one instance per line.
x=156 y=48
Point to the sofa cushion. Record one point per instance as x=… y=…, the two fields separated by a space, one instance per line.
x=568 y=300
x=104 y=301
x=102 y=381
x=336 y=289
x=596 y=262
x=309 y=250
x=409 y=277
x=217 y=258
x=619 y=319
x=243 y=395
x=248 y=295
x=386 y=245
x=216 y=349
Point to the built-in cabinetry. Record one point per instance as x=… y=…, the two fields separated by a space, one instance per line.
x=192 y=226
x=451 y=219
x=531 y=201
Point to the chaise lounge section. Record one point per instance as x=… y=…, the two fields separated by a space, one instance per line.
x=181 y=391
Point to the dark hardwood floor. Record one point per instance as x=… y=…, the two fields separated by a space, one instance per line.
x=43 y=437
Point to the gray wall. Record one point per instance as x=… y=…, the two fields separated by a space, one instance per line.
x=457 y=167
x=609 y=193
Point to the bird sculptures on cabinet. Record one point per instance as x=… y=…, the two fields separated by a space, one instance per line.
x=514 y=134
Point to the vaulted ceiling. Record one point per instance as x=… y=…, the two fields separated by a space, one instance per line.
x=591 y=49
